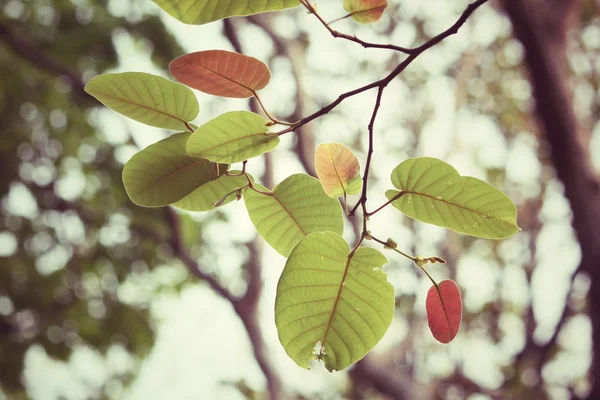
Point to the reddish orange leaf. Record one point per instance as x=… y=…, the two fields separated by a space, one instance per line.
x=444 y=310
x=365 y=11
x=338 y=170
x=221 y=73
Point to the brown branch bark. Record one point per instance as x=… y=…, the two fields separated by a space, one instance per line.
x=245 y=307
x=544 y=61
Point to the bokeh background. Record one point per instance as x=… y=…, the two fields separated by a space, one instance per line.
x=101 y=299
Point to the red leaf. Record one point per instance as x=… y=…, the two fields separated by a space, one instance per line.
x=444 y=310
x=221 y=73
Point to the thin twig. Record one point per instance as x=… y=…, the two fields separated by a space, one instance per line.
x=397 y=71
x=387 y=203
x=365 y=44
x=365 y=179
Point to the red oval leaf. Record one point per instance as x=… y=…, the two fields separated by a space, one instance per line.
x=221 y=73
x=444 y=310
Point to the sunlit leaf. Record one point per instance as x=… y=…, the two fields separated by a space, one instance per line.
x=324 y=296
x=146 y=98
x=444 y=310
x=296 y=207
x=204 y=198
x=164 y=173
x=232 y=137
x=434 y=192
x=365 y=11
x=221 y=73
x=198 y=12
x=338 y=170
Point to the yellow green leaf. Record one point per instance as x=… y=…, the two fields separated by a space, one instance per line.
x=232 y=137
x=332 y=304
x=164 y=173
x=222 y=190
x=295 y=208
x=146 y=98
x=434 y=192
x=198 y=12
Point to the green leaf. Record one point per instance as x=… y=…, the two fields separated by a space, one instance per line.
x=164 y=173
x=146 y=98
x=198 y=12
x=204 y=198
x=297 y=206
x=232 y=137
x=325 y=295
x=434 y=192
x=338 y=170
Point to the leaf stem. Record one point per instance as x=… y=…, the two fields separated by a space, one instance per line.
x=189 y=126
x=253 y=187
x=413 y=259
x=434 y=284
x=273 y=120
x=390 y=201
x=222 y=200
x=242 y=172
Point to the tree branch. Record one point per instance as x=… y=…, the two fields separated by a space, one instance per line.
x=382 y=83
x=245 y=306
x=571 y=161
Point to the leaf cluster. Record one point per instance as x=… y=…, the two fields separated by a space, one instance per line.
x=334 y=302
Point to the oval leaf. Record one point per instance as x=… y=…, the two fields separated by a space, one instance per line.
x=198 y=12
x=164 y=173
x=365 y=11
x=221 y=73
x=221 y=189
x=338 y=170
x=232 y=137
x=444 y=310
x=432 y=191
x=146 y=98
x=344 y=303
x=298 y=206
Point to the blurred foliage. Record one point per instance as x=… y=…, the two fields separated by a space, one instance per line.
x=82 y=238
x=83 y=245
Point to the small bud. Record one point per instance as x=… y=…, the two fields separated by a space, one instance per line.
x=238 y=194
x=368 y=235
x=437 y=260
x=390 y=244
x=421 y=262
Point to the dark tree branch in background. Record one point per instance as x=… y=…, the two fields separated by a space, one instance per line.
x=571 y=161
x=40 y=59
x=247 y=306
